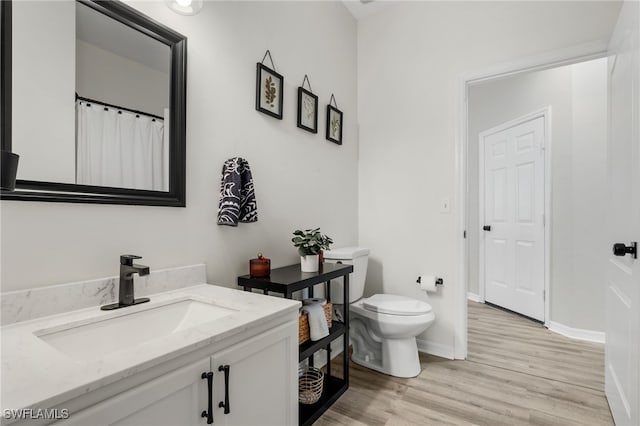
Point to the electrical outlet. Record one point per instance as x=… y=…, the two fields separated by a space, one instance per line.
x=445 y=205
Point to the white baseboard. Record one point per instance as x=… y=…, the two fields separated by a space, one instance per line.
x=474 y=297
x=577 y=333
x=437 y=349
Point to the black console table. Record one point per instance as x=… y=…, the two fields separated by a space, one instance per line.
x=287 y=281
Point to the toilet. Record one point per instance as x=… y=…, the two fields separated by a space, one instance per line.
x=383 y=327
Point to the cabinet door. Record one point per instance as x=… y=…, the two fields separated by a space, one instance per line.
x=263 y=380
x=177 y=398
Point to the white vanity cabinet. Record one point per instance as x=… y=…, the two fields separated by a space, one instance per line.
x=261 y=389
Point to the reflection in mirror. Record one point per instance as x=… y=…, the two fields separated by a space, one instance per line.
x=98 y=112
x=122 y=79
x=108 y=87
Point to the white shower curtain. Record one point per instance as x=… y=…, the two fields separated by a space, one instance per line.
x=119 y=149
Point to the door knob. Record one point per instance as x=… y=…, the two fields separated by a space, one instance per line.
x=620 y=249
x=487 y=228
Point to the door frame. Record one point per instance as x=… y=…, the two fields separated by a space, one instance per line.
x=551 y=59
x=544 y=113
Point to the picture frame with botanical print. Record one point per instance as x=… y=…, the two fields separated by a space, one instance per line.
x=334 y=125
x=307 y=110
x=269 y=88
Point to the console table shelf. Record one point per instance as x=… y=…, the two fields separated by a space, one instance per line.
x=287 y=281
x=309 y=347
x=334 y=388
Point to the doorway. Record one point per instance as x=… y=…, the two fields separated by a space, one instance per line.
x=544 y=255
x=512 y=206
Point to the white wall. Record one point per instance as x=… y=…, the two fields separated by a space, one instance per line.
x=116 y=80
x=583 y=304
x=301 y=180
x=43 y=108
x=578 y=99
x=410 y=61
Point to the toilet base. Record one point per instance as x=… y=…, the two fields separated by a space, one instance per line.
x=395 y=357
x=405 y=366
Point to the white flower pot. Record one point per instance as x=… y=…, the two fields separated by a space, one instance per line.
x=309 y=263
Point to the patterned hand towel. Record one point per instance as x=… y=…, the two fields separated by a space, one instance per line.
x=237 y=198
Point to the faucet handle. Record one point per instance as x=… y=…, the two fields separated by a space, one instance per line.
x=127 y=259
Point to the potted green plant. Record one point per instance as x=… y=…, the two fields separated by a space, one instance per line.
x=309 y=243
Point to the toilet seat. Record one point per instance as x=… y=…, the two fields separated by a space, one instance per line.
x=392 y=304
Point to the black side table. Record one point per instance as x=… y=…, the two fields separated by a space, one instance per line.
x=288 y=280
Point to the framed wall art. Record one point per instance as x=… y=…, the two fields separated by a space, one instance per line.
x=334 y=122
x=307 y=108
x=269 y=89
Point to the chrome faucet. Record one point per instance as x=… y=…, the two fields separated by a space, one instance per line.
x=125 y=293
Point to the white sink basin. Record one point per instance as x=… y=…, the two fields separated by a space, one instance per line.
x=124 y=330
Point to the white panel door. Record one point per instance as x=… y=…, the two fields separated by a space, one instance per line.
x=622 y=379
x=513 y=198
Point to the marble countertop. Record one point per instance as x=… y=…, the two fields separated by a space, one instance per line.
x=36 y=375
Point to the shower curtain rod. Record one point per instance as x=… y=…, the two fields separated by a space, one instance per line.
x=78 y=97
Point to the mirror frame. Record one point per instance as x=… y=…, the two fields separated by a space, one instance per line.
x=28 y=190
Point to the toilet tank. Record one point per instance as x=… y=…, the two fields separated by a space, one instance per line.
x=359 y=258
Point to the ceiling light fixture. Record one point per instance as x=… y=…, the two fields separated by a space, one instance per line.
x=185 y=7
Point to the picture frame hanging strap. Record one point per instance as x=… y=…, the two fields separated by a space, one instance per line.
x=267 y=53
x=306 y=78
x=333 y=100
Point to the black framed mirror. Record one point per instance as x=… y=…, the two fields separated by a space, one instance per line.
x=95 y=105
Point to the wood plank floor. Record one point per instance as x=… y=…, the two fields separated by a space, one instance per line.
x=517 y=373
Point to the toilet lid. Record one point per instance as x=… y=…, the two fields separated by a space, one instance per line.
x=396 y=305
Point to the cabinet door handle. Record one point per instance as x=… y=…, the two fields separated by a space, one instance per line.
x=225 y=404
x=209 y=413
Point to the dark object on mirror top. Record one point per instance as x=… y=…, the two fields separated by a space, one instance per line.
x=9 y=169
x=125 y=293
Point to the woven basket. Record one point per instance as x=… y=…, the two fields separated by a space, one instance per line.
x=310 y=384
x=303 y=323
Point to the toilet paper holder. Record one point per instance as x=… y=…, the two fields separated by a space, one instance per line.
x=439 y=281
